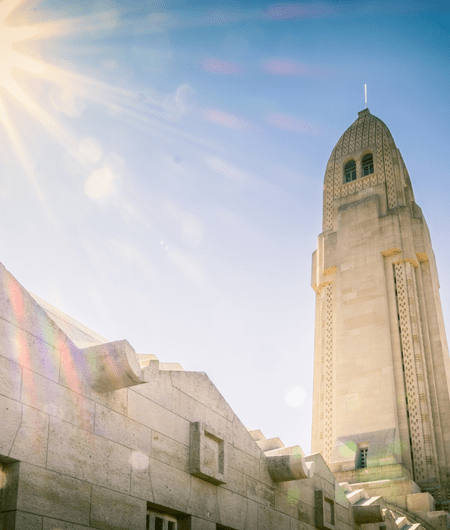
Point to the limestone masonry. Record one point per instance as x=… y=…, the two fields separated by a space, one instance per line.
x=94 y=435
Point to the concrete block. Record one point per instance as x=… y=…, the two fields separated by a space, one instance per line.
x=111 y=366
x=259 y=492
x=171 y=487
x=208 y=454
x=19 y=307
x=17 y=520
x=201 y=524
x=232 y=508
x=55 y=524
x=159 y=390
x=235 y=482
x=10 y=413
x=269 y=519
x=123 y=430
x=251 y=518
x=141 y=484
x=199 y=386
x=57 y=400
x=170 y=451
x=243 y=440
x=114 y=511
x=218 y=422
x=30 y=443
x=243 y=462
x=158 y=418
x=203 y=500
x=420 y=502
x=286 y=503
x=17 y=344
x=86 y=456
x=10 y=378
x=51 y=494
x=187 y=407
x=72 y=375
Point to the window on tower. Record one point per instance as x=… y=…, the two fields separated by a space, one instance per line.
x=350 y=171
x=367 y=164
x=361 y=456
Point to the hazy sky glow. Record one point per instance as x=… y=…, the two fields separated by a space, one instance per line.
x=162 y=168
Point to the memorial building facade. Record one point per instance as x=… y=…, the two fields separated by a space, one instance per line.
x=381 y=368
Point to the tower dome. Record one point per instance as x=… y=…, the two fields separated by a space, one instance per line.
x=365 y=157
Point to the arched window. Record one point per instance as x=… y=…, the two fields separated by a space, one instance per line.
x=367 y=164
x=350 y=171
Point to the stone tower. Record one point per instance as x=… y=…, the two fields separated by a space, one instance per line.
x=382 y=369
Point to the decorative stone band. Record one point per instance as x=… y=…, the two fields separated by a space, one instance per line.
x=407 y=260
x=391 y=252
x=318 y=288
x=111 y=366
x=422 y=257
x=283 y=468
x=330 y=270
x=372 y=513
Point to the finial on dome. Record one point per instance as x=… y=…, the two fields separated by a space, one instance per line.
x=363 y=112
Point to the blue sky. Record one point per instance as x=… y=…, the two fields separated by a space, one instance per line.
x=162 y=168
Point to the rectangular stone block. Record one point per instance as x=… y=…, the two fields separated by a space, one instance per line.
x=87 y=456
x=123 y=430
x=55 y=524
x=141 y=482
x=158 y=418
x=51 y=494
x=19 y=307
x=270 y=519
x=10 y=414
x=30 y=443
x=175 y=496
x=10 y=378
x=232 y=508
x=57 y=400
x=29 y=351
x=114 y=511
x=158 y=390
x=203 y=500
x=260 y=493
x=187 y=407
x=199 y=386
x=243 y=462
x=170 y=451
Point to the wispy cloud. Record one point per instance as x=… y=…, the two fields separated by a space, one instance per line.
x=284 y=67
x=216 y=66
x=228 y=120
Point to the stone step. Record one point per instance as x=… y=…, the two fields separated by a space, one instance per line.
x=257 y=435
x=345 y=486
x=269 y=444
x=401 y=522
x=357 y=495
x=369 y=501
x=280 y=451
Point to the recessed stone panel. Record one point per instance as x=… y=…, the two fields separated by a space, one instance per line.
x=207 y=454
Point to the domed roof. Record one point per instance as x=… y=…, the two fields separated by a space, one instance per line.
x=367 y=135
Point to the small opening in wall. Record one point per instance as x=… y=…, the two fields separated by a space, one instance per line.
x=361 y=456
